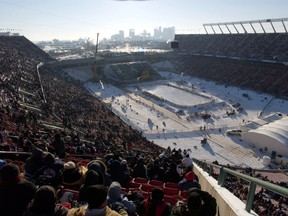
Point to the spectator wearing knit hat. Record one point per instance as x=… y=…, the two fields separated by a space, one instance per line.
x=15 y=191
x=190 y=180
x=100 y=167
x=73 y=175
x=91 y=178
x=115 y=195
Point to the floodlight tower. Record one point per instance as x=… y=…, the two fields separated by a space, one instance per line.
x=96 y=50
x=95 y=64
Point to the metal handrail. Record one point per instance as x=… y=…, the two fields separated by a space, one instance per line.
x=208 y=167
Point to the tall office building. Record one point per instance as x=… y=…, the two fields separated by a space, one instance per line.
x=168 y=33
x=121 y=36
x=131 y=33
x=158 y=32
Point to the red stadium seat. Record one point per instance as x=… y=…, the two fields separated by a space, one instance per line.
x=170 y=191
x=69 y=159
x=20 y=164
x=87 y=160
x=171 y=199
x=171 y=185
x=156 y=183
x=140 y=180
x=145 y=194
x=83 y=163
x=183 y=194
x=147 y=187
x=133 y=185
x=78 y=160
x=124 y=190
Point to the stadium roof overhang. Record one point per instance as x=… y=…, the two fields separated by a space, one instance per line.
x=250 y=26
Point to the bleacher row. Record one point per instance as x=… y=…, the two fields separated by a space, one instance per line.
x=141 y=186
x=127 y=72
x=171 y=190
x=254 y=61
x=144 y=187
x=256 y=46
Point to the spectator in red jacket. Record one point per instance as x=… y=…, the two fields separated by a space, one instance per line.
x=155 y=205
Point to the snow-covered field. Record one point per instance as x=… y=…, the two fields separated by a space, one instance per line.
x=194 y=97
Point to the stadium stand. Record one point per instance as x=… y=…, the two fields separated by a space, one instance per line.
x=254 y=61
x=131 y=72
x=90 y=134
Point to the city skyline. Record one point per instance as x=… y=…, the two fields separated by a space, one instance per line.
x=142 y=35
x=47 y=20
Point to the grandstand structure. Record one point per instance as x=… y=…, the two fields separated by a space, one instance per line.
x=254 y=61
x=25 y=114
x=130 y=72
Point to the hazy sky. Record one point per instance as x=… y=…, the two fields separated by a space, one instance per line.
x=72 y=19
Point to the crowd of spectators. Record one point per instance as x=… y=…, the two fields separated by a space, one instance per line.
x=52 y=116
x=255 y=61
x=250 y=46
x=262 y=77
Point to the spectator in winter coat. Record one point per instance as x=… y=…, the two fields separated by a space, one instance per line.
x=117 y=170
x=91 y=178
x=139 y=170
x=44 y=203
x=97 y=204
x=73 y=175
x=100 y=167
x=155 y=205
x=155 y=170
x=172 y=175
x=115 y=195
x=59 y=146
x=187 y=162
x=50 y=173
x=190 y=180
x=15 y=191
x=34 y=162
x=198 y=203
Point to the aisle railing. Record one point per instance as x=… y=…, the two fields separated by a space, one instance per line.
x=254 y=182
